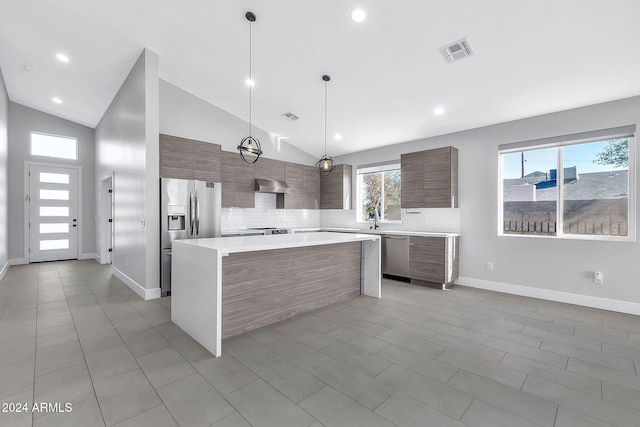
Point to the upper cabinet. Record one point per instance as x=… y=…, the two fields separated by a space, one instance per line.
x=176 y=157
x=335 y=188
x=206 y=161
x=430 y=178
x=311 y=187
x=188 y=159
x=227 y=172
x=294 y=177
x=244 y=187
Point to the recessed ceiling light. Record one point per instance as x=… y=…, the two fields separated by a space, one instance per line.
x=358 y=15
x=250 y=82
x=337 y=137
x=438 y=110
x=62 y=57
x=56 y=100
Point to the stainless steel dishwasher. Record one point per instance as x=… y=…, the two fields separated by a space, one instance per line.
x=395 y=255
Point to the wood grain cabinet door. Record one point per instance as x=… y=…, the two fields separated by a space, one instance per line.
x=441 y=178
x=335 y=188
x=176 y=157
x=412 y=180
x=294 y=176
x=227 y=175
x=277 y=170
x=311 y=187
x=244 y=183
x=427 y=259
x=206 y=161
x=262 y=168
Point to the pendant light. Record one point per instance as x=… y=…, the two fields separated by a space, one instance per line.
x=249 y=147
x=326 y=164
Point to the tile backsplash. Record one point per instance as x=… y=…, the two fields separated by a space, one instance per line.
x=265 y=214
x=433 y=220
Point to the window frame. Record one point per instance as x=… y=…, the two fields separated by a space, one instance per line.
x=77 y=154
x=564 y=141
x=374 y=168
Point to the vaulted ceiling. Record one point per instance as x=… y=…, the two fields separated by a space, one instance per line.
x=387 y=72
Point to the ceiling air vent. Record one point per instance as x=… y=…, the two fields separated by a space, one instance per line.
x=457 y=50
x=290 y=116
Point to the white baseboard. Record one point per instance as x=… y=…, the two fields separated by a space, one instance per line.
x=551 y=295
x=17 y=261
x=145 y=294
x=87 y=256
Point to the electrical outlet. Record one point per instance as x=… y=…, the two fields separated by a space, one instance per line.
x=490 y=266
x=598 y=278
x=126 y=261
x=142 y=223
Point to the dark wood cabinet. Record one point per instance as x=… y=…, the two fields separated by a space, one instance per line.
x=430 y=178
x=433 y=259
x=188 y=159
x=335 y=188
x=311 y=187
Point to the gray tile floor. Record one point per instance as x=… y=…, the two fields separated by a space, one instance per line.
x=70 y=332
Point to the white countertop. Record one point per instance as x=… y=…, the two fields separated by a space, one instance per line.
x=228 y=245
x=378 y=232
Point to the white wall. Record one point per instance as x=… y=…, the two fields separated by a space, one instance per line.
x=546 y=268
x=4 y=189
x=127 y=147
x=185 y=115
x=22 y=121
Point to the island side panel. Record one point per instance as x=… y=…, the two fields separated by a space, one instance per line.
x=196 y=293
x=263 y=287
x=371 y=268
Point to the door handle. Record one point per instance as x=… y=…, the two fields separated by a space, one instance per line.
x=197 y=214
x=191 y=213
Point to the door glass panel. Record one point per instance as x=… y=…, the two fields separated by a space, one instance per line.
x=54 y=194
x=54 y=244
x=54 y=178
x=54 y=211
x=54 y=228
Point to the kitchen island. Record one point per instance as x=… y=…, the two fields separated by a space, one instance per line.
x=225 y=286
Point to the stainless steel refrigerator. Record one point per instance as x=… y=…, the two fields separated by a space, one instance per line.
x=188 y=210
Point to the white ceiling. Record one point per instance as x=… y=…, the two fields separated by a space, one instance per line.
x=531 y=58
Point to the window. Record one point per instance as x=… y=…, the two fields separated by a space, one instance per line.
x=575 y=186
x=379 y=192
x=61 y=147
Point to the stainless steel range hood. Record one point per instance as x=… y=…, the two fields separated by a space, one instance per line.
x=271 y=186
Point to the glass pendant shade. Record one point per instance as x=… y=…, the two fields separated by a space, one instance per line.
x=250 y=149
x=326 y=164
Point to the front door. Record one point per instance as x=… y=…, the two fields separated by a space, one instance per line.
x=53 y=210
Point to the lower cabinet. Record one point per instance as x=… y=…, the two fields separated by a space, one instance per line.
x=433 y=259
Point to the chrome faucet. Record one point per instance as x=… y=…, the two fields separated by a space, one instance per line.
x=375 y=225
